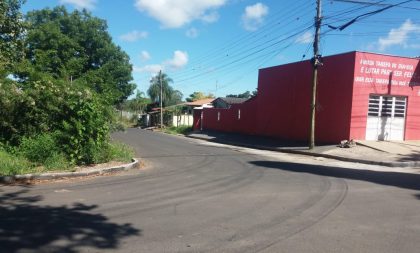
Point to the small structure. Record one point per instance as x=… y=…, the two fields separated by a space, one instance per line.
x=227 y=102
x=199 y=104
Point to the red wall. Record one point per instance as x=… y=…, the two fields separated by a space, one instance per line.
x=229 y=121
x=385 y=75
x=285 y=94
x=282 y=107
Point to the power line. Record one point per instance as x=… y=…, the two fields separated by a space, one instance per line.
x=232 y=50
x=365 y=15
x=369 y=3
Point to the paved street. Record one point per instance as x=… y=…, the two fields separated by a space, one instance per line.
x=194 y=196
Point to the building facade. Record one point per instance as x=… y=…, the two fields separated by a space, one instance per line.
x=363 y=96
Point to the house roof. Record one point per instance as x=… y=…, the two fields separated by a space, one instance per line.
x=200 y=102
x=233 y=100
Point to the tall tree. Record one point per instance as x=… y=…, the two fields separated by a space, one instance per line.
x=75 y=46
x=197 y=95
x=246 y=94
x=137 y=104
x=12 y=29
x=154 y=89
x=176 y=98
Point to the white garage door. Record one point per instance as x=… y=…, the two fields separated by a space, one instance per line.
x=386 y=118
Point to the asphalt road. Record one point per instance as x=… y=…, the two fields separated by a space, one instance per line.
x=194 y=196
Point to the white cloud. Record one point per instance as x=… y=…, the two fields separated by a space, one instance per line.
x=80 y=4
x=178 y=61
x=254 y=15
x=305 y=38
x=145 y=56
x=192 y=33
x=153 y=68
x=399 y=36
x=134 y=36
x=210 y=17
x=176 y=13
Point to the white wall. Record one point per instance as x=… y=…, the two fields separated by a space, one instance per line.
x=182 y=120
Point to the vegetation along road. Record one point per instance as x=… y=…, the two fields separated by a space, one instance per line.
x=194 y=196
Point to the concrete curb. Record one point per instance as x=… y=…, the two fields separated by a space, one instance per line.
x=309 y=153
x=61 y=175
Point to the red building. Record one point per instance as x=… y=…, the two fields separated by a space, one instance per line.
x=361 y=96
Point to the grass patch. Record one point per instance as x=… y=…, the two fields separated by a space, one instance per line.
x=178 y=130
x=13 y=165
x=18 y=164
x=114 y=152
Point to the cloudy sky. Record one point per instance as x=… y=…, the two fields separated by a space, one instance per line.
x=218 y=46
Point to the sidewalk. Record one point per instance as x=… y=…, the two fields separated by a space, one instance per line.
x=391 y=154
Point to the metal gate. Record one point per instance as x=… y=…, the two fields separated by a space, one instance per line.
x=386 y=118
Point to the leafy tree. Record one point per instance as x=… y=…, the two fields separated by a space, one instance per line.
x=154 y=89
x=12 y=29
x=197 y=95
x=246 y=94
x=176 y=98
x=76 y=47
x=137 y=104
x=255 y=92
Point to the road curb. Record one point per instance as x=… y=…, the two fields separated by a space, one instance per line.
x=61 y=175
x=309 y=153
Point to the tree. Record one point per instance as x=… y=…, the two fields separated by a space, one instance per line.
x=246 y=94
x=198 y=95
x=154 y=89
x=137 y=104
x=176 y=98
x=12 y=29
x=76 y=47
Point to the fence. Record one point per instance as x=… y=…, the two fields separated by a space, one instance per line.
x=182 y=120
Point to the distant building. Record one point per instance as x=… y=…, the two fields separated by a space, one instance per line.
x=227 y=102
x=360 y=95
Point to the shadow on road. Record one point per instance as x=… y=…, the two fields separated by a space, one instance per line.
x=27 y=226
x=401 y=180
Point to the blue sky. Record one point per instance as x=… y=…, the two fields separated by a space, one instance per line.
x=217 y=46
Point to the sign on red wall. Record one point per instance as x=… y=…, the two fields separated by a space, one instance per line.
x=376 y=70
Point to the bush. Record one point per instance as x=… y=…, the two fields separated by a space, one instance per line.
x=77 y=116
x=178 y=130
x=39 y=148
x=57 y=161
x=13 y=165
x=114 y=151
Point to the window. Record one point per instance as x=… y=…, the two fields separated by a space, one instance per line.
x=239 y=114
x=387 y=106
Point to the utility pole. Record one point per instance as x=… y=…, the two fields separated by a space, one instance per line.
x=316 y=61
x=161 y=93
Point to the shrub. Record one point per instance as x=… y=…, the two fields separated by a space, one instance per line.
x=12 y=164
x=39 y=148
x=114 y=151
x=178 y=130
x=57 y=161
x=77 y=116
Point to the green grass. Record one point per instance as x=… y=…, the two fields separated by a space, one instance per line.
x=13 y=165
x=178 y=130
x=114 y=152
x=17 y=164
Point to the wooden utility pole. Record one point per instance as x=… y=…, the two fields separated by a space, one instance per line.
x=161 y=104
x=316 y=62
